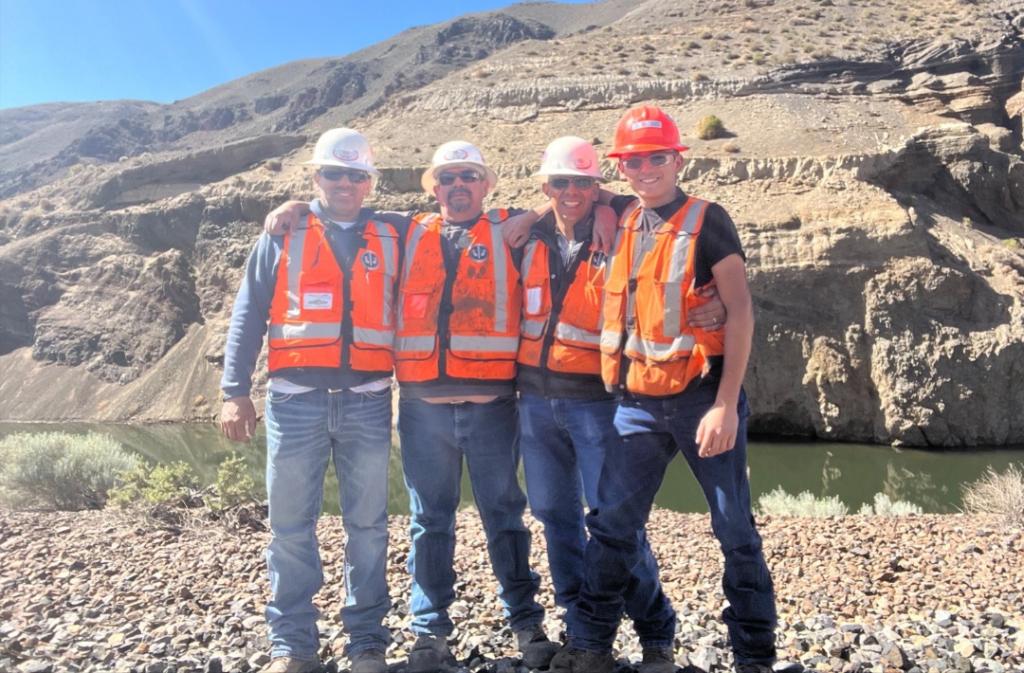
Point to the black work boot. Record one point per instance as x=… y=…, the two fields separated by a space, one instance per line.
x=534 y=646
x=571 y=660
x=430 y=654
x=658 y=660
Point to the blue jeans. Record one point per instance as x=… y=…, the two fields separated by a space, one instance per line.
x=304 y=432
x=435 y=437
x=653 y=431
x=564 y=443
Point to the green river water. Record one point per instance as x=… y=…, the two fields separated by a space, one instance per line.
x=854 y=472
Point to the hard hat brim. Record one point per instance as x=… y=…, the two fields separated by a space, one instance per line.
x=641 y=148
x=355 y=165
x=429 y=177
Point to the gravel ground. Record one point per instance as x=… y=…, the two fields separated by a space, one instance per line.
x=99 y=591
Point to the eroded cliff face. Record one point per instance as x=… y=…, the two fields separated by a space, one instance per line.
x=873 y=166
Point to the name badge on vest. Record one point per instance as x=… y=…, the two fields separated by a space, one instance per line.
x=317 y=301
x=533 y=297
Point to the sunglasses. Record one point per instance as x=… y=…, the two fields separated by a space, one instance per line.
x=335 y=174
x=467 y=176
x=579 y=182
x=655 y=160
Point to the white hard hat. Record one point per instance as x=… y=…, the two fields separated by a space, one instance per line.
x=570 y=155
x=456 y=153
x=344 y=147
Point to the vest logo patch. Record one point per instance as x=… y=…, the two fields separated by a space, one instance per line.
x=317 y=301
x=478 y=253
x=598 y=258
x=370 y=260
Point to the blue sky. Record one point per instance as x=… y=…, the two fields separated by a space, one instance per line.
x=164 y=50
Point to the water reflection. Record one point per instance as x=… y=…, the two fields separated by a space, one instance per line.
x=853 y=472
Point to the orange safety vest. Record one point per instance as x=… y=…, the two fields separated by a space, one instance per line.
x=481 y=338
x=648 y=294
x=573 y=327
x=312 y=294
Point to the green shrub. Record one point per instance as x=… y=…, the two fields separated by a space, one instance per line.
x=166 y=484
x=234 y=486
x=780 y=503
x=59 y=470
x=998 y=493
x=885 y=507
x=710 y=127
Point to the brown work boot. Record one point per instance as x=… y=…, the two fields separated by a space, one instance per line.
x=571 y=660
x=292 y=665
x=534 y=646
x=658 y=660
x=368 y=661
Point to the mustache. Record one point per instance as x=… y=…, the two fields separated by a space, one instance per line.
x=457 y=191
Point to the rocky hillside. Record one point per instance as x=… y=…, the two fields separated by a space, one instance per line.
x=873 y=163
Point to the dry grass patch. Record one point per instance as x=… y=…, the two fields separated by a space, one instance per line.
x=998 y=493
x=709 y=128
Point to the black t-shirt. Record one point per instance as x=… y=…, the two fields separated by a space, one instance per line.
x=718 y=237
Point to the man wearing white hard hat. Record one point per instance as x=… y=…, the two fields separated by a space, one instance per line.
x=324 y=291
x=455 y=360
x=565 y=413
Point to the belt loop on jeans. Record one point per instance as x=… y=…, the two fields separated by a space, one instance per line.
x=331 y=391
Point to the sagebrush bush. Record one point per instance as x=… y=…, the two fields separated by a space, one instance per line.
x=998 y=493
x=780 y=503
x=164 y=484
x=234 y=485
x=884 y=506
x=710 y=127
x=60 y=470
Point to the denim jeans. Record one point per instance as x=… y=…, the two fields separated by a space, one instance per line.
x=653 y=431
x=435 y=437
x=304 y=431
x=564 y=443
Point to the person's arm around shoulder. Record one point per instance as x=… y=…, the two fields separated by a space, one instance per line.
x=285 y=217
x=717 y=431
x=249 y=316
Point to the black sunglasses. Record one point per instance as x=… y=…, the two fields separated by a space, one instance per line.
x=335 y=174
x=563 y=183
x=656 y=161
x=467 y=176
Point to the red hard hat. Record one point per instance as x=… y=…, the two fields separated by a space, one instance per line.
x=646 y=128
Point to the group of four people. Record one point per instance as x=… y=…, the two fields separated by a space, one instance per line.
x=598 y=365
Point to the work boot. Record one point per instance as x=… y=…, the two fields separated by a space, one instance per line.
x=534 y=646
x=368 y=661
x=658 y=660
x=430 y=654
x=571 y=660
x=292 y=665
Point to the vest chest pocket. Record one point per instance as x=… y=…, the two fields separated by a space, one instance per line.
x=419 y=307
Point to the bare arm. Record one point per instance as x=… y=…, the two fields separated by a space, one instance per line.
x=717 y=431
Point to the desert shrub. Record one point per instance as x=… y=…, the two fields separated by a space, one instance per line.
x=166 y=484
x=710 y=127
x=884 y=506
x=780 y=503
x=234 y=486
x=60 y=470
x=998 y=493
